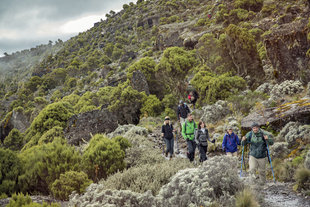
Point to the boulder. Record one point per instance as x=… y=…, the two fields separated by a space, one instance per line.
x=279 y=116
x=81 y=127
x=139 y=82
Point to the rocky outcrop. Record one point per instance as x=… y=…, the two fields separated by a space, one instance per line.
x=139 y=82
x=286 y=47
x=81 y=127
x=215 y=112
x=279 y=116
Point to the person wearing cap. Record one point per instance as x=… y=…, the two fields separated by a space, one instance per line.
x=188 y=133
x=258 y=139
x=230 y=142
x=167 y=134
x=182 y=113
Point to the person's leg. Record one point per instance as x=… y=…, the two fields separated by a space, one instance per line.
x=253 y=166
x=171 y=147
x=235 y=154
x=167 y=147
x=190 y=149
x=194 y=149
x=262 y=170
x=229 y=154
x=203 y=153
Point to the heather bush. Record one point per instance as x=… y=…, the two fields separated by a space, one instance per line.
x=68 y=182
x=246 y=198
x=102 y=157
x=43 y=164
x=14 y=141
x=151 y=106
x=10 y=169
x=145 y=65
x=51 y=134
x=254 y=5
x=20 y=199
x=123 y=142
x=302 y=177
x=146 y=177
x=215 y=112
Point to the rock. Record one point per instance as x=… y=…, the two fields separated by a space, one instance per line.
x=293 y=131
x=139 y=82
x=215 y=112
x=278 y=117
x=286 y=47
x=279 y=150
x=84 y=125
x=307 y=160
x=116 y=79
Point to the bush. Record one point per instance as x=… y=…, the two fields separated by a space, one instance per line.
x=102 y=157
x=212 y=87
x=254 y=5
x=10 y=169
x=146 y=66
x=69 y=182
x=151 y=106
x=51 y=134
x=246 y=198
x=20 y=199
x=146 y=177
x=123 y=142
x=43 y=164
x=14 y=141
x=302 y=177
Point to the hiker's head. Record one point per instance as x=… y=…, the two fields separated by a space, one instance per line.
x=255 y=127
x=181 y=102
x=230 y=130
x=189 y=117
x=201 y=124
x=167 y=120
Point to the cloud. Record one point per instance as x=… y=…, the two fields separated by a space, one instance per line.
x=25 y=24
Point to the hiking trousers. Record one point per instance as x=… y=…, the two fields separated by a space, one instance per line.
x=191 y=147
x=169 y=146
x=234 y=154
x=203 y=153
x=257 y=164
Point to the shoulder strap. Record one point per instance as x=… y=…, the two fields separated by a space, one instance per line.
x=185 y=125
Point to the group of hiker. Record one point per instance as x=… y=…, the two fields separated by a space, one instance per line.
x=197 y=136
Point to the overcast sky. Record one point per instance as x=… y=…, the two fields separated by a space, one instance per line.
x=27 y=23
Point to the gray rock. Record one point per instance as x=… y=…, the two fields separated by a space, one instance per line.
x=139 y=82
x=215 y=112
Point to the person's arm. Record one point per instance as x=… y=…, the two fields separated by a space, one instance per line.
x=183 y=131
x=162 y=131
x=245 y=139
x=268 y=138
x=187 y=109
x=196 y=136
x=224 y=143
x=238 y=140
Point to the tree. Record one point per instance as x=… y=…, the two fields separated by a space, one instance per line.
x=14 y=141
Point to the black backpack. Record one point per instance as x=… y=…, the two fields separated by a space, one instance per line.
x=203 y=138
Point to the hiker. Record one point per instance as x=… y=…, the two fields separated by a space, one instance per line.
x=190 y=96
x=188 y=130
x=167 y=134
x=194 y=98
x=258 y=151
x=201 y=139
x=230 y=142
x=209 y=16
x=182 y=113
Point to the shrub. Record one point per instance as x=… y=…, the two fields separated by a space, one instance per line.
x=14 y=141
x=146 y=66
x=151 y=106
x=212 y=87
x=146 y=177
x=246 y=198
x=102 y=157
x=43 y=165
x=254 y=5
x=302 y=177
x=10 y=169
x=123 y=142
x=69 y=182
x=20 y=199
x=33 y=83
x=246 y=39
x=51 y=134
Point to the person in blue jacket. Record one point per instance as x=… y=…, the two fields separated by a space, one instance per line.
x=230 y=142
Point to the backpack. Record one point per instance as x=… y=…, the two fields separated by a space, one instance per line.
x=203 y=140
x=264 y=133
x=195 y=126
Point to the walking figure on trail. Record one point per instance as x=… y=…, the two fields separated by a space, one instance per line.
x=188 y=130
x=201 y=139
x=167 y=134
x=230 y=143
x=259 y=140
x=182 y=113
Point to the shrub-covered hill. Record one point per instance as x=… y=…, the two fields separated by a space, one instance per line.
x=138 y=63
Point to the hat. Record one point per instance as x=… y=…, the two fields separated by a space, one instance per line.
x=181 y=102
x=254 y=124
x=167 y=118
x=229 y=127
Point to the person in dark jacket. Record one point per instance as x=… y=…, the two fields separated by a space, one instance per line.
x=182 y=113
x=201 y=139
x=258 y=139
x=167 y=134
x=230 y=143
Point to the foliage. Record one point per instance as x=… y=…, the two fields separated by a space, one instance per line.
x=102 y=157
x=68 y=182
x=20 y=199
x=145 y=177
x=212 y=87
x=33 y=83
x=302 y=177
x=55 y=114
x=246 y=198
x=10 y=169
x=246 y=39
x=151 y=106
x=14 y=141
x=145 y=65
x=43 y=164
x=123 y=142
x=51 y=134
x=254 y=5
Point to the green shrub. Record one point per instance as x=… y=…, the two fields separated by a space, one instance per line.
x=246 y=39
x=284 y=171
x=146 y=66
x=14 y=141
x=212 y=87
x=10 y=169
x=68 y=182
x=169 y=101
x=302 y=177
x=123 y=142
x=169 y=112
x=151 y=106
x=49 y=135
x=146 y=177
x=102 y=157
x=43 y=164
x=33 y=83
x=25 y=201
x=246 y=198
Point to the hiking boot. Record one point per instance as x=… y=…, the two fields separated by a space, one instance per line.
x=166 y=154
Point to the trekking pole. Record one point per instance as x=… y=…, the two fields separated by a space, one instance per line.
x=241 y=161
x=274 y=179
x=244 y=159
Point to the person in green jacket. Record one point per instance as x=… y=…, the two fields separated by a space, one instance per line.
x=258 y=151
x=188 y=130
